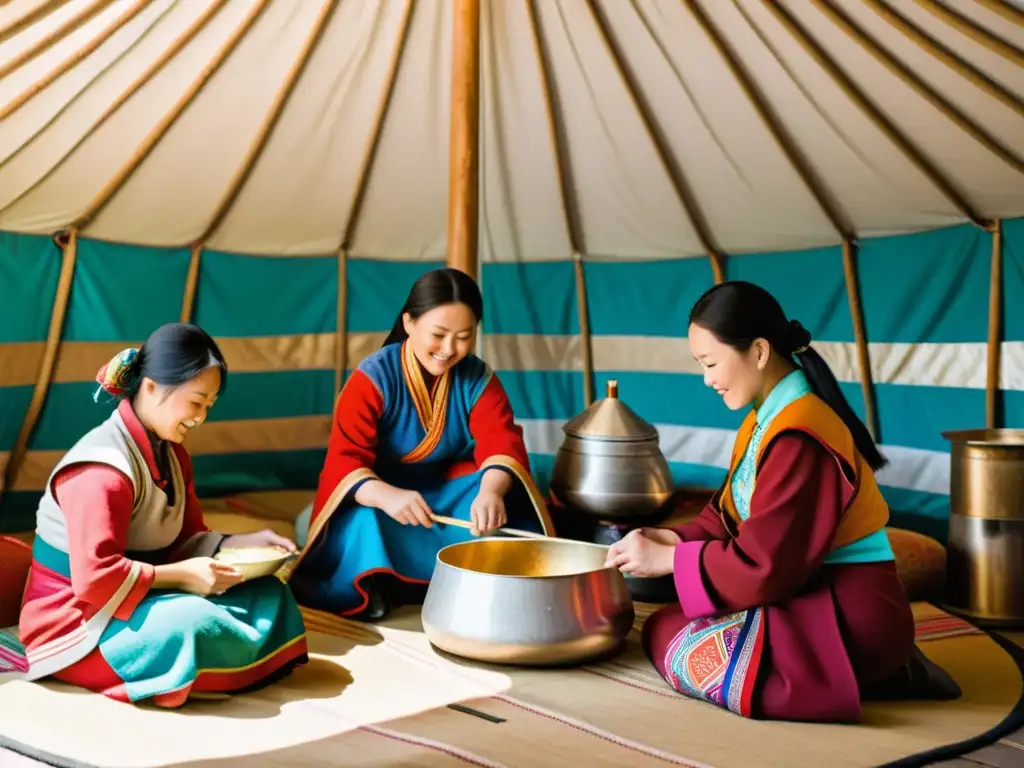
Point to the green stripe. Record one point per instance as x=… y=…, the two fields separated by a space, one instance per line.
x=276 y=395
x=255 y=296
x=124 y=291
x=376 y=291
x=29 y=268
x=266 y=471
x=18 y=511
x=14 y=402
x=927 y=287
x=530 y=298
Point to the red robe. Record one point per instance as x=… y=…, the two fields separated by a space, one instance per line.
x=830 y=630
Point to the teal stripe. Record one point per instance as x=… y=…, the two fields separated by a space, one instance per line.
x=926 y=513
x=276 y=395
x=14 y=402
x=50 y=557
x=266 y=471
x=29 y=268
x=70 y=411
x=926 y=287
x=124 y=291
x=651 y=298
x=915 y=417
x=376 y=291
x=256 y=296
x=810 y=286
x=1013 y=409
x=1013 y=280
x=68 y=414
x=531 y=298
x=543 y=394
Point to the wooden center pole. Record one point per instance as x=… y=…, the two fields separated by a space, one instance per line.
x=464 y=156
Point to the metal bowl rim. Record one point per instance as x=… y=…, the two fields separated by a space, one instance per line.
x=517 y=540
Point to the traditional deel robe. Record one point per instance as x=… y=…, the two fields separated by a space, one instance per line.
x=789 y=599
x=116 y=505
x=437 y=440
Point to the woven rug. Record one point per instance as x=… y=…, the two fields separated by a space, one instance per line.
x=380 y=695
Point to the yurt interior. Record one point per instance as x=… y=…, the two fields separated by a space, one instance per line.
x=280 y=173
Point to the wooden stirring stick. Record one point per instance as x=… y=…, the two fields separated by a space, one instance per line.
x=511 y=531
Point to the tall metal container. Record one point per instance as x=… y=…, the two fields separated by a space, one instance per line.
x=985 y=552
x=610 y=464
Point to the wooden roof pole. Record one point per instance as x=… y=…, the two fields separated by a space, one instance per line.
x=464 y=138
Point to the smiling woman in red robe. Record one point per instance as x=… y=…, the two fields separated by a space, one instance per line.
x=790 y=606
x=423 y=428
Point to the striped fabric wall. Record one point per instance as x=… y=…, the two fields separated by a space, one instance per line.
x=1013 y=324
x=276 y=322
x=925 y=300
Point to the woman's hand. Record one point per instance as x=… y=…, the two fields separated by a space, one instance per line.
x=644 y=552
x=405 y=507
x=204 y=576
x=487 y=512
x=264 y=538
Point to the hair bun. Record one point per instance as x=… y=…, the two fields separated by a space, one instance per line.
x=799 y=337
x=118 y=376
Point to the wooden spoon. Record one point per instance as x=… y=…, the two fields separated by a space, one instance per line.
x=511 y=531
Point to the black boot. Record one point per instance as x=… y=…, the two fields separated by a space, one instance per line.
x=379 y=605
x=919 y=678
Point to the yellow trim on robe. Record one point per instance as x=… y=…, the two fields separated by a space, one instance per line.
x=318 y=525
x=868 y=511
x=431 y=407
x=536 y=497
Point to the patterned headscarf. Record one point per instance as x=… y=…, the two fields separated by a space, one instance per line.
x=118 y=376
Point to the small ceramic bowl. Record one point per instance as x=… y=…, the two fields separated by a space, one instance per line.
x=255 y=562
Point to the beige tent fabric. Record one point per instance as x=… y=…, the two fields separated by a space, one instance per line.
x=377 y=695
x=158 y=123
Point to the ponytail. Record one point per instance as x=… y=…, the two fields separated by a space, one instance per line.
x=825 y=386
x=398 y=333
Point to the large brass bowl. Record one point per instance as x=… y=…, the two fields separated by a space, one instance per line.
x=531 y=602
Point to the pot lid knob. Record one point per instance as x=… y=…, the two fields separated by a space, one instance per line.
x=611 y=419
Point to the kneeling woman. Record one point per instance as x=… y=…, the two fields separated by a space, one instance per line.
x=124 y=597
x=421 y=428
x=790 y=606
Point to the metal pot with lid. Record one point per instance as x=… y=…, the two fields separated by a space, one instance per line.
x=610 y=464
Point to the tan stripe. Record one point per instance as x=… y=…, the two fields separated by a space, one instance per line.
x=940 y=365
x=79 y=361
x=937 y=365
x=297 y=433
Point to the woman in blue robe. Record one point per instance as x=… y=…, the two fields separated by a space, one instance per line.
x=422 y=427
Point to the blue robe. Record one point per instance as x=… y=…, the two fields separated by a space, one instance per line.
x=438 y=441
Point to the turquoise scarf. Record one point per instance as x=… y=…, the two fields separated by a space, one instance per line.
x=872 y=548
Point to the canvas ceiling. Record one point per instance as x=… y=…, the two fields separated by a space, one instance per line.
x=287 y=127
